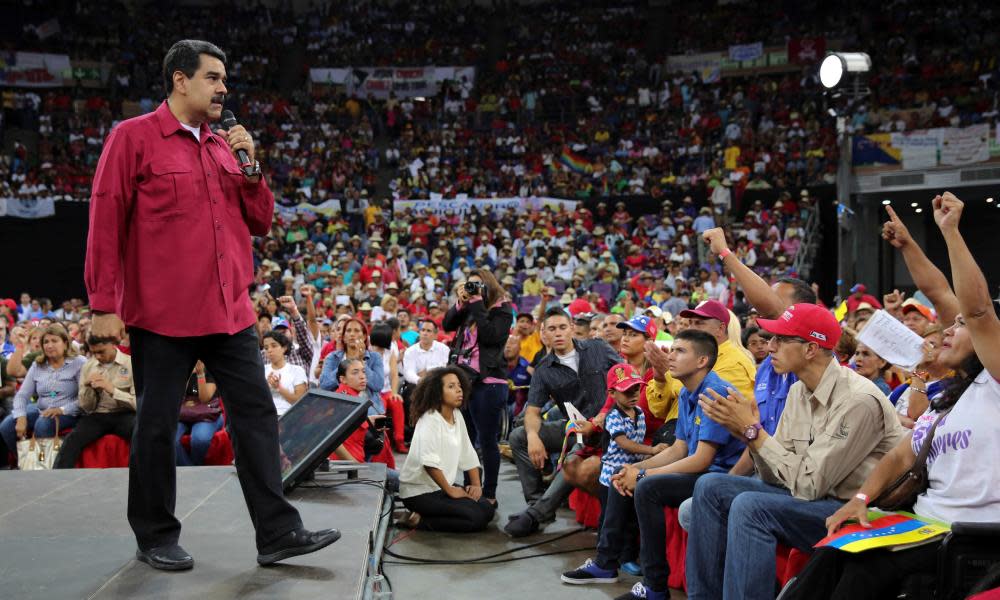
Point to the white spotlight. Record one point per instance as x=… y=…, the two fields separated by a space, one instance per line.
x=836 y=64
x=920 y=210
x=887 y=202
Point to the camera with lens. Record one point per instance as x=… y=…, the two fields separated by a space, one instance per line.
x=474 y=288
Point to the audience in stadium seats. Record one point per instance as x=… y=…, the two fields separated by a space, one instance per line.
x=106 y=400
x=54 y=378
x=961 y=486
x=200 y=418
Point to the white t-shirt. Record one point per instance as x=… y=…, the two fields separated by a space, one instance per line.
x=439 y=444
x=195 y=130
x=571 y=360
x=291 y=376
x=962 y=466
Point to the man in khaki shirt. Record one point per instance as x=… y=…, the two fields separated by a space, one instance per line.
x=106 y=397
x=836 y=425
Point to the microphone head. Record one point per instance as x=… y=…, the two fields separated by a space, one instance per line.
x=228 y=119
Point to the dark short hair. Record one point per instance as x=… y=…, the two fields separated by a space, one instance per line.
x=430 y=322
x=525 y=315
x=556 y=311
x=344 y=365
x=279 y=338
x=93 y=340
x=803 y=293
x=381 y=336
x=749 y=331
x=704 y=344
x=185 y=56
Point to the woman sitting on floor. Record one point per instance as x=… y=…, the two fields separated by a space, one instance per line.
x=440 y=451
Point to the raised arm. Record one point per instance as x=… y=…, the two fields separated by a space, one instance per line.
x=974 y=300
x=928 y=278
x=767 y=302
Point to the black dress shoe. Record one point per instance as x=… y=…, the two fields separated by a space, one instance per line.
x=296 y=543
x=166 y=558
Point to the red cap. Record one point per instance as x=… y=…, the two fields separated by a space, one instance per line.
x=709 y=309
x=624 y=376
x=807 y=321
x=579 y=306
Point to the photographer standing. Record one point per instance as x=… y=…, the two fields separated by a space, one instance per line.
x=482 y=320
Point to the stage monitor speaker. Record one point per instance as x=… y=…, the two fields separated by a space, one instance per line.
x=313 y=428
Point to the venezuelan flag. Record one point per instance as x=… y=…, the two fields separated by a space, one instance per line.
x=574 y=161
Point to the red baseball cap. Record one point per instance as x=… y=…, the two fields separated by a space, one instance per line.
x=579 y=306
x=624 y=376
x=807 y=321
x=709 y=309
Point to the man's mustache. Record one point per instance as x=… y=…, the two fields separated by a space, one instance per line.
x=218 y=99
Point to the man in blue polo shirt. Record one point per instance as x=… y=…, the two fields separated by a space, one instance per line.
x=667 y=479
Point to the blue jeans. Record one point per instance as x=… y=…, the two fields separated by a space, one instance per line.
x=201 y=439
x=44 y=427
x=486 y=404
x=651 y=495
x=736 y=525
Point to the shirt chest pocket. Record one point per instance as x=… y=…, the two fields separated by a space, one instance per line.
x=801 y=436
x=168 y=193
x=232 y=180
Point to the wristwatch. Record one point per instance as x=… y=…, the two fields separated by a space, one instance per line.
x=752 y=431
x=642 y=473
x=255 y=172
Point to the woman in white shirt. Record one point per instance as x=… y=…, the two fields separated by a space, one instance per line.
x=440 y=453
x=288 y=382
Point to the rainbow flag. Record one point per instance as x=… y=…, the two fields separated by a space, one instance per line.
x=893 y=531
x=574 y=161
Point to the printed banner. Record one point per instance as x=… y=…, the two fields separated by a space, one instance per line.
x=965 y=146
x=404 y=82
x=874 y=149
x=463 y=206
x=34 y=69
x=707 y=65
x=27 y=208
x=806 y=51
x=746 y=52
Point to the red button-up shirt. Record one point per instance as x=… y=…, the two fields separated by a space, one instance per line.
x=170 y=225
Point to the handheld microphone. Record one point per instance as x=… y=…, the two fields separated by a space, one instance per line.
x=228 y=122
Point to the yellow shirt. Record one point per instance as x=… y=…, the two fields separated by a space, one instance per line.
x=530 y=346
x=533 y=288
x=734 y=366
x=370 y=214
x=730 y=156
x=662 y=397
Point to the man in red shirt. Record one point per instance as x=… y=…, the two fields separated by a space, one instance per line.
x=858 y=295
x=168 y=252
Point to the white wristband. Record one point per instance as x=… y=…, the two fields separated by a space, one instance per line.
x=863 y=497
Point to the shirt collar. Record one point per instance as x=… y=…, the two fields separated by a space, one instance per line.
x=169 y=124
x=824 y=391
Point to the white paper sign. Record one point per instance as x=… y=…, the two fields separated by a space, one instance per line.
x=892 y=340
x=574 y=415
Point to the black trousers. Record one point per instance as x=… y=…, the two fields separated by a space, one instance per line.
x=88 y=430
x=440 y=512
x=161 y=367
x=871 y=575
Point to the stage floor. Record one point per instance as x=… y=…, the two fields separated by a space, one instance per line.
x=64 y=534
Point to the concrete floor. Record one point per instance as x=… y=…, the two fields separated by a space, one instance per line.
x=532 y=578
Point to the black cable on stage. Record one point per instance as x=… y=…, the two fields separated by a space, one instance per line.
x=425 y=563
x=488 y=559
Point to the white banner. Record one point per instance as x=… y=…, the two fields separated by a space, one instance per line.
x=965 y=146
x=746 y=52
x=463 y=206
x=27 y=208
x=34 y=69
x=404 y=82
x=708 y=65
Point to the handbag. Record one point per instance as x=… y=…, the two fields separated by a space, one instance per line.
x=38 y=454
x=902 y=493
x=194 y=411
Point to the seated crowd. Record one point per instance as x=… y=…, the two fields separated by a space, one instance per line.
x=763 y=421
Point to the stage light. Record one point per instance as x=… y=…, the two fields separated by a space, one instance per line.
x=989 y=200
x=920 y=210
x=836 y=64
x=886 y=202
x=914 y=204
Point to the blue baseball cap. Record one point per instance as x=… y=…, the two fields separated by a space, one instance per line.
x=642 y=324
x=277 y=322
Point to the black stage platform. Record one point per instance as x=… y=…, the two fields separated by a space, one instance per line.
x=64 y=534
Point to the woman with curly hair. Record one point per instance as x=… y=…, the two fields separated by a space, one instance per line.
x=440 y=453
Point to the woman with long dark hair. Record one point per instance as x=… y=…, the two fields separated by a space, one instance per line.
x=440 y=453
x=482 y=320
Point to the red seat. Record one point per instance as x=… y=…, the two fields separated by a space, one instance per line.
x=108 y=452
x=587 y=508
x=220 y=451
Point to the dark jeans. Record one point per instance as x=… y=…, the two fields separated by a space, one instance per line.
x=543 y=503
x=486 y=404
x=628 y=531
x=88 y=430
x=837 y=575
x=440 y=512
x=161 y=366
x=201 y=439
x=652 y=494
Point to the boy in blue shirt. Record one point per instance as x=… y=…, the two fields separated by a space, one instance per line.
x=668 y=478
